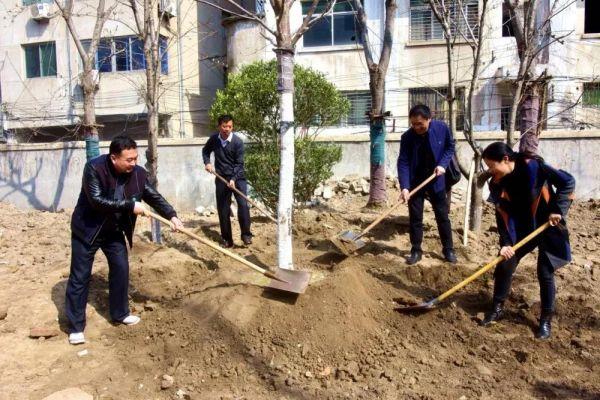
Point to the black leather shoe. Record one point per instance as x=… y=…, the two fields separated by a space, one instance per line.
x=415 y=257
x=247 y=240
x=545 y=330
x=227 y=244
x=450 y=256
x=494 y=315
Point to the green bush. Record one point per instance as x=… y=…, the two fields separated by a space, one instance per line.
x=314 y=162
x=251 y=97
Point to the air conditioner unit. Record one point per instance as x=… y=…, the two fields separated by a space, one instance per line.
x=40 y=11
x=168 y=8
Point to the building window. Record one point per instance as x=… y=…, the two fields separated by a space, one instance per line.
x=424 y=26
x=360 y=104
x=507 y=17
x=435 y=99
x=31 y=2
x=126 y=53
x=40 y=59
x=592 y=11
x=335 y=29
x=591 y=94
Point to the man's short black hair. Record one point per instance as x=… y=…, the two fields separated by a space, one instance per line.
x=120 y=143
x=224 y=118
x=420 y=110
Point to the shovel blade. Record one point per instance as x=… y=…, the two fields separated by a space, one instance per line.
x=292 y=281
x=347 y=242
x=417 y=308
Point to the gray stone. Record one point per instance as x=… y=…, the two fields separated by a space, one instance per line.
x=327 y=192
x=167 y=382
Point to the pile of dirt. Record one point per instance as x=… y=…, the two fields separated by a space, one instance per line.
x=210 y=326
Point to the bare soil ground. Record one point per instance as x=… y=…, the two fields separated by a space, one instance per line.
x=208 y=322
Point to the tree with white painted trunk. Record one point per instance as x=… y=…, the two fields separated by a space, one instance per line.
x=88 y=79
x=284 y=42
x=377 y=72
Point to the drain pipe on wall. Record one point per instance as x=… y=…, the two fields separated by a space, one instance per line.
x=180 y=70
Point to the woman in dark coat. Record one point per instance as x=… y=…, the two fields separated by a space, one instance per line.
x=527 y=193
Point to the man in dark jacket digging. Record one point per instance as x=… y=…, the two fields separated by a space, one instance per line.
x=426 y=148
x=111 y=193
x=229 y=163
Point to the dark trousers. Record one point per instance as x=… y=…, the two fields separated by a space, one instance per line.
x=545 y=272
x=224 y=209
x=82 y=257
x=439 y=202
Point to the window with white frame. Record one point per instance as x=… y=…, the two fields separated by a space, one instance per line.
x=360 y=104
x=591 y=94
x=335 y=29
x=40 y=59
x=435 y=99
x=424 y=26
x=126 y=53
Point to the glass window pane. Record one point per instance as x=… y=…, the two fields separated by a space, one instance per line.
x=591 y=94
x=137 y=54
x=164 y=56
x=104 y=56
x=319 y=34
x=48 y=59
x=318 y=10
x=122 y=56
x=343 y=5
x=420 y=24
x=32 y=61
x=344 y=29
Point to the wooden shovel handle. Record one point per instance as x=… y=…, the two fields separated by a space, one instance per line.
x=490 y=265
x=388 y=212
x=264 y=212
x=209 y=243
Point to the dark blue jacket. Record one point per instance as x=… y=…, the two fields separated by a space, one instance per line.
x=229 y=160
x=524 y=200
x=96 y=203
x=442 y=147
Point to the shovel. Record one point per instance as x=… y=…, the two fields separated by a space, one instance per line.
x=283 y=279
x=431 y=304
x=348 y=242
x=264 y=212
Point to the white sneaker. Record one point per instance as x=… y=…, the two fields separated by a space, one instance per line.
x=76 y=338
x=131 y=320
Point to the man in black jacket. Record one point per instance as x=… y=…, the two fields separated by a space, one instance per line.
x=229 y=163
x=111 y=193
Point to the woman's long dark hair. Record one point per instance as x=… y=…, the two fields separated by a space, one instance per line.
x=520 y=178
x=498 y=150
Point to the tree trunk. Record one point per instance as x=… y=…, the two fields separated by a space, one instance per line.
x=90 y=129
x=451 y=96
x=151 y=53
x=285 y=87
x=529 y=118
x=377 y=190
x=476 y=199
x=512 y=120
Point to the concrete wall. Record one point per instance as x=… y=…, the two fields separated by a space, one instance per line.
x=48 y=176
